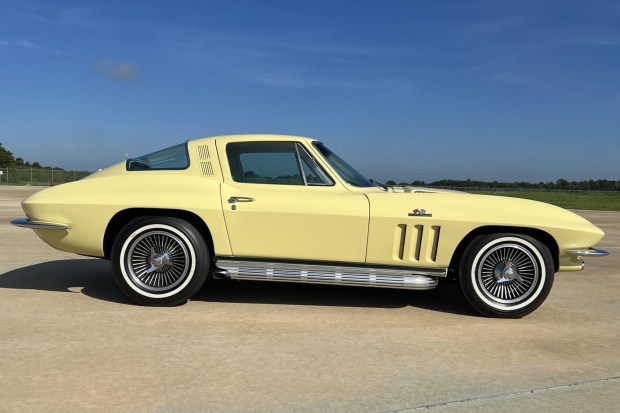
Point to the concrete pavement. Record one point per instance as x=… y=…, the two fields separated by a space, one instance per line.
x=70 y=341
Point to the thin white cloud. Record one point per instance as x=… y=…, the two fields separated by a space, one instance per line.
x=599 y=40
x=297 y=60
x=380 y=87
x=302 y=82
x=346 y=49
x=122 y=72
x=518 y=79
x=26 y=44
x=497 y=26
x=222 y=47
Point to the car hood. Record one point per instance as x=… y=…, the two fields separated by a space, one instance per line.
x=459 y=208
x=422 y=190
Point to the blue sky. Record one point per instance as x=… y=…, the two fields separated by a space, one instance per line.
x=523 y=90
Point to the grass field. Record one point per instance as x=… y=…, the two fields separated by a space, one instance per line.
x=599 y=201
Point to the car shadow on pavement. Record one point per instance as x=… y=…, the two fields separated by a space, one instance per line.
x=445 y=298
x=93 y=278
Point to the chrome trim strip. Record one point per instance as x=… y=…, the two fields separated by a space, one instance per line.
x=301 y=167
x=28 y=223
x=407 y=278
x=588 y=252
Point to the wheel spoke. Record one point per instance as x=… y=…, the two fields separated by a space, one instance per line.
x=158 y=260
x=508 y=273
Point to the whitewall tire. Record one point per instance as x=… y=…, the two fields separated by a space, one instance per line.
x=160 y=261
x=506 y=275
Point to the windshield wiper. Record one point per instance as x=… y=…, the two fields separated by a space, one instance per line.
x=377 y=183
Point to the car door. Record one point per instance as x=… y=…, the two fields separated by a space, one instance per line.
x=279 y=203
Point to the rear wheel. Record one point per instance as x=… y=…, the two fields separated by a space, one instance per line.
x=506 y=275
x=160 y=261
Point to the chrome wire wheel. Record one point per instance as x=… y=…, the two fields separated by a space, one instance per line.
x=508 y=273
x=160 y=260
x=157 y=260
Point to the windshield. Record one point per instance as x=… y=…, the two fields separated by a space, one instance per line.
x=346 y=171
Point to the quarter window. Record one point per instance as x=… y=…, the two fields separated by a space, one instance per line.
x=313 y=173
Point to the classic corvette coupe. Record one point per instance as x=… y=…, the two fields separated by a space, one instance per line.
x=287 y=208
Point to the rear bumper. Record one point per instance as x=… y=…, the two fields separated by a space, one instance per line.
x=28 y=223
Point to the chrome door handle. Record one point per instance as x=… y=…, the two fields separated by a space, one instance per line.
x=235 y=199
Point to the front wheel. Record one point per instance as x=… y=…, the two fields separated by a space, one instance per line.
x=160 y=261
x=506 y=275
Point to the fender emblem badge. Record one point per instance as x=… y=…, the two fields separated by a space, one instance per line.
x=419 y=213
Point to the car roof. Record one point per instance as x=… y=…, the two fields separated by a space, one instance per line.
x=251 y=137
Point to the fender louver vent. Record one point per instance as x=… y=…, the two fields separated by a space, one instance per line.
x=416 y=243
x=205 y=166
x=203 y=152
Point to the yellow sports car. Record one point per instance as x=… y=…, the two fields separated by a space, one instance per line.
x=286 y=208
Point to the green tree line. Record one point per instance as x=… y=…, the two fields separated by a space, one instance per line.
x=8 y=160
x=560 y=184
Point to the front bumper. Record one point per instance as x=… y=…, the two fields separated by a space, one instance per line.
x=588 y=252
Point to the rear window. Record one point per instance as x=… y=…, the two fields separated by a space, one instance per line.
x=175 y=157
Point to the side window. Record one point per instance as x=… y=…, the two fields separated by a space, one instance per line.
x=264 y=163
x=275 y=163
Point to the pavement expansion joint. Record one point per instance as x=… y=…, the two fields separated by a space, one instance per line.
x=502 y=395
